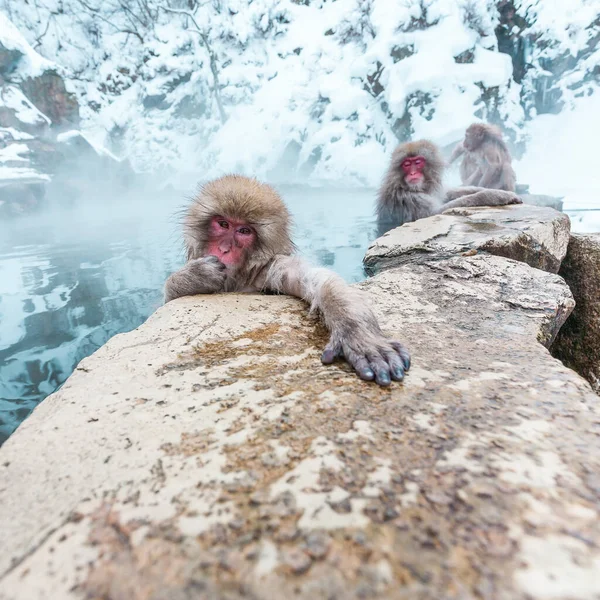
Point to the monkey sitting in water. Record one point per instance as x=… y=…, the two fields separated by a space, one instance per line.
x=237 y=238
x=412 y=188
x=486 y=159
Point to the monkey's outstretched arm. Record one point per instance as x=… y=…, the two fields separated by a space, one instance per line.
x=459 y=150
x=459 y=192
x=204 y=275
x=355 y=333
x=483 y=197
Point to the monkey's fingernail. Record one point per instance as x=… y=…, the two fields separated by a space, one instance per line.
x=383 y=379
x=399 y=374
x=366 y=374
x=406 y=361
x=328 y=357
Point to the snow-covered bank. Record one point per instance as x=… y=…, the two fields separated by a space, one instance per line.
x=313 y=91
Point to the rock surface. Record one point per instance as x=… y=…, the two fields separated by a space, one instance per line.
x=578 y=344
x=535 y=235
x=209 y=454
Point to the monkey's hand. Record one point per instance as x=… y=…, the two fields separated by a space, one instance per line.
x=370 y=353
x=204 y=275
x=482 y=197
x=502 y=197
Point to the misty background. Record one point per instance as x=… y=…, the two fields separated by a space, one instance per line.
x=112 y=111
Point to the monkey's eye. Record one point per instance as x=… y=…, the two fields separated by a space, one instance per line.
x=419 y=162
x=406 y=164
x=223 y=224
x=244 y=230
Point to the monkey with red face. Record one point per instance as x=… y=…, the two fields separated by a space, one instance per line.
x=237 y=238
x=412 y=188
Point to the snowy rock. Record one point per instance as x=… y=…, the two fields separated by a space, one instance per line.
x=535 y=235
x=18 y=112
x=21 y=54
x=209 y=453
x=578 y=343
x=9 y=57
x=49 y=94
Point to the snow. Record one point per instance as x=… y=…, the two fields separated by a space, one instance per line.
x=31 y=64
x=13 y=98
x=13 y=134
x=288 y=74
x=22 y=173
x=68 y=136
x=568 y=22
x=295 y=80
x=562 y=155
x=14 y=153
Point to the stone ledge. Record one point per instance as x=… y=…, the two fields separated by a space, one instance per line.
x=209 y=454
x=578 y=344
x=537 y=236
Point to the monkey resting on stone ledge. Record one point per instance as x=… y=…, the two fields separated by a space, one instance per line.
x=236 y=233
x=412 y=188
x=486 y=158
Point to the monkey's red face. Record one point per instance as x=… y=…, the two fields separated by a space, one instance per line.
x=229 y=240
x=413 y=169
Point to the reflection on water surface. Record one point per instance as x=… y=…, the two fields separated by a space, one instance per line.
x=71 y=279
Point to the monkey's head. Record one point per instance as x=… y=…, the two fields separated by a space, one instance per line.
x=477 y=133
x=243 y=222
x=419 y=164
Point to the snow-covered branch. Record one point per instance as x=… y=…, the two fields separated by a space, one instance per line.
x=211 y=56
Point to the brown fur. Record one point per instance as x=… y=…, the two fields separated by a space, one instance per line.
x=269 y=266
x=399 y=203
x=246 y=199
x=486 y=158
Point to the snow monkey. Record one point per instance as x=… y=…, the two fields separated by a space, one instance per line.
x=236 y=233
x=412 y=188
x=486 y=160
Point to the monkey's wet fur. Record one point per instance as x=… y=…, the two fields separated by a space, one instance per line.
x=237 y=237
x=413 y=188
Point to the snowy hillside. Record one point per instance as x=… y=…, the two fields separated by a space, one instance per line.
x=308 y=90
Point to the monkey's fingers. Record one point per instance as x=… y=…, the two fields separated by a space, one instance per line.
x=360 y=363
x=396 y=365
x=404 y=354
x=332 y=351
x=213 y=260
x=383 y=376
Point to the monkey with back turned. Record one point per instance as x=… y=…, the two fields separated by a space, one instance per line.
x=413 y=188
x=237 y=239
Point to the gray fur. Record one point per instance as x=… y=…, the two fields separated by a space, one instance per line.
x=270 y=267
x=486 y=158
x=204 y=275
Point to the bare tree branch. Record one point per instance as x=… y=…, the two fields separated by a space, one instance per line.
x=211 y=55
